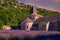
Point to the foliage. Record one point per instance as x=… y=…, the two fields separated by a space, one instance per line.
x=45 y=12
x=1 y=24
x=12 y=12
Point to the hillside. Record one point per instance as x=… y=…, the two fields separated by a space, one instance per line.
x=11 y=12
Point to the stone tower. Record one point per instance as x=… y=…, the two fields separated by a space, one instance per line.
x=33 y=14
x=33 y=10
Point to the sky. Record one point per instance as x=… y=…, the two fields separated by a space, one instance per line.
x=53 y=5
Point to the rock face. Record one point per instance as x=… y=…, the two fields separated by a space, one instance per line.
x=51 y=23
x=6 y=27
x=27 y=23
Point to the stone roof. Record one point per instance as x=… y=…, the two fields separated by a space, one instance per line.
x=48 y=18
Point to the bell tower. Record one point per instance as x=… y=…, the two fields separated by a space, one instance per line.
x=34 y=10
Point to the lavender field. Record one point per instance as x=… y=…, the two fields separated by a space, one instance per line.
x=28 y=35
